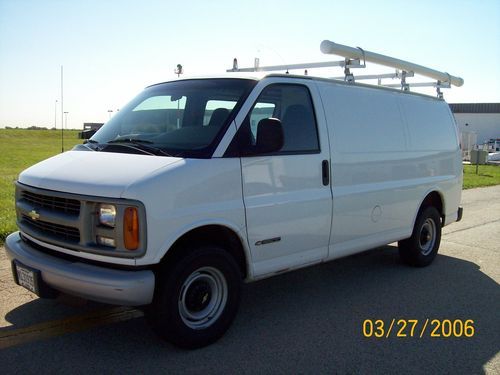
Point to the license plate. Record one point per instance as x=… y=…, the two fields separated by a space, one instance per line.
x=27 y=277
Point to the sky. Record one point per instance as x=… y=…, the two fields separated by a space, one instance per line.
x=112 y=49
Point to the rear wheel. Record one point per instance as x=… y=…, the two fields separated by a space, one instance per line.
x=196 y=298
x=421 y=248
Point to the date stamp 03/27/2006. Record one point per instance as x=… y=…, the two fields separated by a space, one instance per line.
x=405 y=328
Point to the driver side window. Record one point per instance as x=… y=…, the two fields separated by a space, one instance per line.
x=291 y=104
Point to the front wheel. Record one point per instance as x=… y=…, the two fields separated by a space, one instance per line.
x=421 y=248
x=196 y=298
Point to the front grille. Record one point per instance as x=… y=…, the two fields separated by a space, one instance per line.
x=50 y=203
x=69 y=221
x=55 y=231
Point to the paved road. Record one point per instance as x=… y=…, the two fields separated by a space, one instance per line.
x=309 y=321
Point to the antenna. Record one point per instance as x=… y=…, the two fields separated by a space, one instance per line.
x=178 y=70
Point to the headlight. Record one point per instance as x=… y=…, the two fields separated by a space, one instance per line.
x=107 y=215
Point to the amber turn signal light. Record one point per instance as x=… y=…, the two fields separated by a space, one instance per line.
x=131 y=228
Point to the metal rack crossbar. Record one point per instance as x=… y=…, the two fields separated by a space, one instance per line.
x=287 y=67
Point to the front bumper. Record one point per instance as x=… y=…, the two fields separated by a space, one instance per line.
x=117 y=287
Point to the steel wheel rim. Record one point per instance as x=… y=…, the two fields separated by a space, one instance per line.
x=203 y=298
x=427 y=237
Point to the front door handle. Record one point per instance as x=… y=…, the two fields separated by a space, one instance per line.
x=325 y=172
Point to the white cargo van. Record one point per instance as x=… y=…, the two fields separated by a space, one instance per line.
x=200 y=184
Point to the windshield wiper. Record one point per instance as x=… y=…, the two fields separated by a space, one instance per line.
x=130 y=140
x=140 y=144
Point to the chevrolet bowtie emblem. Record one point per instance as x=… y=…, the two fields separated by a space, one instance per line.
x=34 y=215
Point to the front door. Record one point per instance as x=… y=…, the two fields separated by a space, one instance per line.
x=287 y=196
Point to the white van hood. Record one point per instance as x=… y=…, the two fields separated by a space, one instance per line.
x=102 y=174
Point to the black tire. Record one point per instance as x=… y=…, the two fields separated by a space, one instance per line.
x=196 y=298
x=421 y=248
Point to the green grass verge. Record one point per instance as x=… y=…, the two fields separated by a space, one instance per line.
x=488 y=175
x=19 y=149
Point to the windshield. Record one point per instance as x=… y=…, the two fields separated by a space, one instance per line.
x=181 y=118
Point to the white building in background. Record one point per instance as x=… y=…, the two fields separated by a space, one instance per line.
x=481 y=119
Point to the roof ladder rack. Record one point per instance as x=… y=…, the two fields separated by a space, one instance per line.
x=352 y=59
x=346 y=64
x=408 y=69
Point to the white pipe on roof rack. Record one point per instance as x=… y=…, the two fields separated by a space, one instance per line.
x=332 y=48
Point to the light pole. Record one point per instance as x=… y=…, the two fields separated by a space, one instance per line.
x=110 y=111
x=66 y=120
x=62 y=128
x=55 y=115
x=65 y=125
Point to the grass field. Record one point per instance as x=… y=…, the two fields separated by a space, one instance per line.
x=488 y=175
x=20 y=149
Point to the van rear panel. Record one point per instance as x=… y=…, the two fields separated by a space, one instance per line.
x=389 y=150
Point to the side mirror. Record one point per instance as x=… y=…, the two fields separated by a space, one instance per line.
x=270 y=137
x=87 y=134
